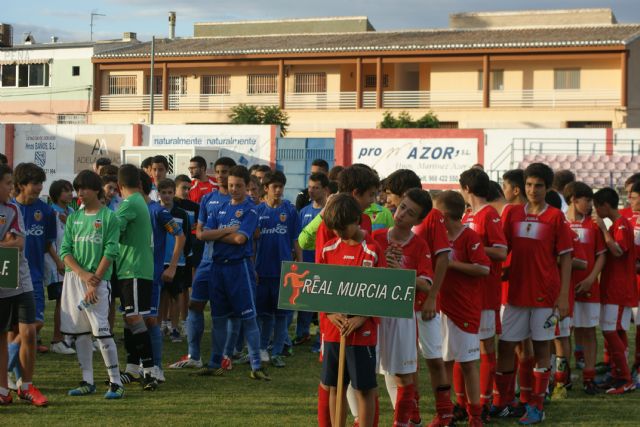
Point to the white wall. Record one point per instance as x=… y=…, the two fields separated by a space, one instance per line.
x=626 y=140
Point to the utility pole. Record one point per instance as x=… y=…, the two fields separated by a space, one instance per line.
x=94 y=13
x=152 y=89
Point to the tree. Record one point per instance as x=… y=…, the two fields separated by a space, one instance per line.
x=244 y=114
x=404 y=120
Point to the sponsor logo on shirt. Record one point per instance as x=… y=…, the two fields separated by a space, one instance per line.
x=348 y=257
x=474 y=247
x=35 y=230
x=94 y=238
x=37 y=215
x=283 y=217
x=97 y=224
x=3 y=219
x=279 y=229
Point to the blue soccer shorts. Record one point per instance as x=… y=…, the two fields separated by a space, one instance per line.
x=232 y=288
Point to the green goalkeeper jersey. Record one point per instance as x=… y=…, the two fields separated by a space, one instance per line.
x=136 y=240
x=89 y=237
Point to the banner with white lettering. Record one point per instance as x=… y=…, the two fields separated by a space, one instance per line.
x=436 y=160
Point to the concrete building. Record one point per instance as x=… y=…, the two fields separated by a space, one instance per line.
x=548 y=69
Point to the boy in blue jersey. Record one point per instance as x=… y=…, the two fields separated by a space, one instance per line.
x=112 y=197
x=183 y=185
x=61 y=194
x=40 y=229
x=202 y=261
x=277 y=236
x=171 y=291
x=162 y=223
x=229 y=229
x=318 y=191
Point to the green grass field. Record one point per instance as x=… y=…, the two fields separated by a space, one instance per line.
x=236 y=400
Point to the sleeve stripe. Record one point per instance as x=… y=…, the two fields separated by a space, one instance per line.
x=438 y=252
x=485 y=267
x=565 y=251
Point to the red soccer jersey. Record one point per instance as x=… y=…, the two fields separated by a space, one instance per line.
x=506 y=263
x=635 y=221
x=535 y=242
x=618 y=278
x=486 y=222
x=591 y=243
x=627 y=213
x=324 y=234
x=433 y=231
x=461 y=295
x=199 y=188
x=365 y=254
x=415 y=256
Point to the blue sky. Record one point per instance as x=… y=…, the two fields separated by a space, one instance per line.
x=69 y=19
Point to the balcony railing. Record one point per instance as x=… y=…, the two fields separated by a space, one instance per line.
x=390 y=99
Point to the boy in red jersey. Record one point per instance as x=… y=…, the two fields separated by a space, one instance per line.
x=432 y=231
x=398 y=337
x=202 y=184
x=461 y=300
x=484 y=220
x=538 y=238
x=618 y=290
x=353 y=247
x=634 y=205
x=586 y=313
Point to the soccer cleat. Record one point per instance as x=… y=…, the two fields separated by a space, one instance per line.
x=259 y=374
x=264 y=356
x=33 y=396
x=6 y=400
x=158 y=374
x=11 y=381
x=277 y=361
x=590 y=388
x=149 y=383
x=507 y=411
x=532 y=416
x=115 y=391
x=459 y=413
x=175 y=336
x=621 y=387
x=208 y=372
x=440 y=421
x=559 y=392
x=186 y=362
x=83 y=389
x=62 y=347
x=301 y=340
x=226 y=363
x=129 y=377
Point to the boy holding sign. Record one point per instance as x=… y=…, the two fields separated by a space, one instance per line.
x=352 y=247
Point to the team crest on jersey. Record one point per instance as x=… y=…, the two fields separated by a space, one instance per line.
x=3 y=219
x=97 y=224
x=367 y=263
x=238 y=213
x=283 y=217
x=374 y=215
x=37 y=215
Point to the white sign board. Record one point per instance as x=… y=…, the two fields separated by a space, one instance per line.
x=437 y=161
x=41 y=148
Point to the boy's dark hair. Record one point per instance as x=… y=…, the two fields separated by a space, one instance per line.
x=129 y=176
x=422 y=199
x=161 y=159
x=322 y=178
x=515 y=177
x=4 y=170
x=224 y=161
x=57 y=187
x=553 y=198
x=146 y=163
x=402 y=180
x=167 y=184
x=476 y=181
x=635 y=188
x=240 y=171
x=182 y=178
x=202 y=163
x=262 y=168
x=253 y=167
x=3 y=159
x=106 y=179
x=453 y=204
x=333 y=187
x=321 y=163
x=335 y=172
x=274 y=177
x=540 y=171
x=88 y=180
x=357 y=178
x=28 y=173
x=632 y=179
x=606 y=195
x=108 y=170
x=495 y=192
x=576 y=190
x=103 y=161
x=562 y=178
x=145 y=182
x=341 y=211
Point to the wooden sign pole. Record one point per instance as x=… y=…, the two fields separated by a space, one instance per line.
x=340 y=413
